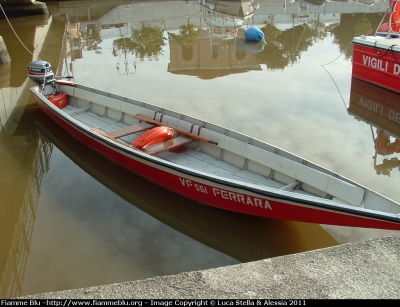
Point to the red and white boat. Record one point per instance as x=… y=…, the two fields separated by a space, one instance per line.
x=376 y=59
x=208 y=163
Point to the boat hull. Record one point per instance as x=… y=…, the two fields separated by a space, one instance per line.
x=217 y=192
x=377 y=60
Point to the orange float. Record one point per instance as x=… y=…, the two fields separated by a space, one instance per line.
x=59 y=99
x=384 y=145
x=154 y=136
x=395 y=17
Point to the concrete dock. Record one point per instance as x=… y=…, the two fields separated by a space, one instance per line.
x=361 y=270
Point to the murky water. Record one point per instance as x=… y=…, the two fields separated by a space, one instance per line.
x=69 y=218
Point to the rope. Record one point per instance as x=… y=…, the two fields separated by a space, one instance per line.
x=14 y=31
x=336 y=87
x=387 y=50
x=263 y=41
x=344 y=103
x=372 y=133
x=384 y=15
x=44 y=77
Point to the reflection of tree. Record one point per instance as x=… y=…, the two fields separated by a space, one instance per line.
x=273 y=57
x=363 y=26
x=284 y=47
x=144 y=43
x=188 y=35
x=349 y=25
x=271 y=33
x=91 y=42
x=318 y=30
x=188 y=38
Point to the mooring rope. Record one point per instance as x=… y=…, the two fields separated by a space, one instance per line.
x=343 y=52
x=14 y=31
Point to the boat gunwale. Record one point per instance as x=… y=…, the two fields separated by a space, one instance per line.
x=370 y=41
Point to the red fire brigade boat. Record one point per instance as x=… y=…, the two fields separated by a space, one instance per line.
x=376 y=59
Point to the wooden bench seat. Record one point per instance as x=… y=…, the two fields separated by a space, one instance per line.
x=172 y=143
x=130 y=129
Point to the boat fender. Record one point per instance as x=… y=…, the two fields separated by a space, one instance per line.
x=254 y=34
x=154 y=136
x=59 y=99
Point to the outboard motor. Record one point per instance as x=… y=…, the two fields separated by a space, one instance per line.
x=41 y=72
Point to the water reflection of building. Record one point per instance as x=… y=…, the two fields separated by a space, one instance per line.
x=222 y=19
x=24 y=157
x=380 y=109
x=218 y=47
x=27 y=160
x=202 y=32
x=211 y=57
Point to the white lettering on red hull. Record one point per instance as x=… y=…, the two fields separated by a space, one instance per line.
x=188 y=183
x=396 y=69
x=228 y=195
x=375 y=63
x=240 y=198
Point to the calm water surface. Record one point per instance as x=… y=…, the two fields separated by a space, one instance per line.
x=69 y=218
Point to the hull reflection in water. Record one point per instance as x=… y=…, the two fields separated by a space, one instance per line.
x=380 y=109
x=245 y=238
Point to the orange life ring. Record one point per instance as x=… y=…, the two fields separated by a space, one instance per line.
x=385 y=147
x=59 y=99
x=395 y=17
x=154 y=136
